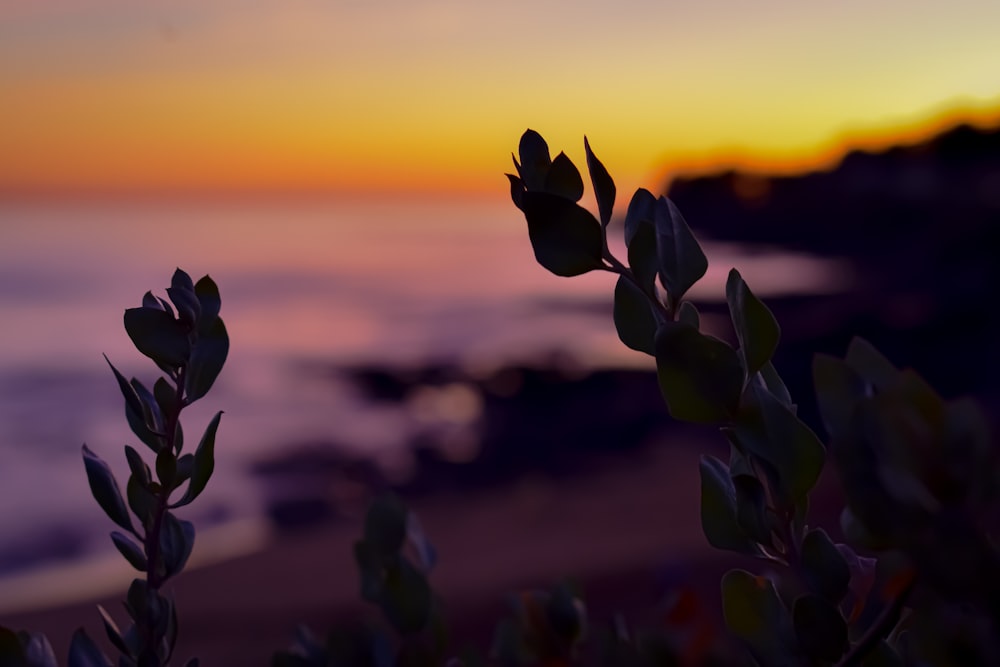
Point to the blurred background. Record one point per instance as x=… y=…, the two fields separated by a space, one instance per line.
x=337 y=168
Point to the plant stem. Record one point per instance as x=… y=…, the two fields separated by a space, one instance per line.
x=879 y=630
x=154 y=580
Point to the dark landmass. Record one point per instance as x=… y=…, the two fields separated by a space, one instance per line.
x=921 y=226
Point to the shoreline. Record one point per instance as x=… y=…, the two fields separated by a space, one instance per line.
x=628 y=531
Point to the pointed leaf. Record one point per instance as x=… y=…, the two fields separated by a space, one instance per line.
x=566 y=238
x=604 y=186
x=211 y=302
x=105 y=489
x=130 y=550
x=181 y=280
x=564 y=179
x=37 y=650
x=774 y=384
x=151 y=414
x=131 y=399
x=207 y=359
x=535 y=160
x=517 y=190
x=718 y=509
x=824 y=567
x=770 y=430
x=176 y=543
x=755 y=326
x=634 y=318
x=138 y=467
x=150 y=301
x=641 y=212
x=187 y=304
x=700 y=376
x=642 y=257
x=682 y=262
x=114 y=634
x=141 y=500
x=688 y=314
x=204 y=463
x=158 y=335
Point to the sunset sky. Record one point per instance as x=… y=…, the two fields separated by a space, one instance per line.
x=116 y=96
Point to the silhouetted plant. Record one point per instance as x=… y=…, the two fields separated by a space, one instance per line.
x=190 y=346
x=919 y=473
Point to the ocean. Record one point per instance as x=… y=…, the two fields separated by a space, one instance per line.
x=305 y=284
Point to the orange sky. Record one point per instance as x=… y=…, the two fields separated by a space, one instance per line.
x=402 y=95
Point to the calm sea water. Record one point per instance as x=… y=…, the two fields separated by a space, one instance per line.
x=332 y=282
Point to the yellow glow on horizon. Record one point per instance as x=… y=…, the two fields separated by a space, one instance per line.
x=416 y=97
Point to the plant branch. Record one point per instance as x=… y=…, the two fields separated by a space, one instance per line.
x=879 y=630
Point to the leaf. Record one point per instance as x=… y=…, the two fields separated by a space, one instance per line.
x=207 y=359
x=105 y=489
x=158 y=335
x=166 y=396
x=132 y=403
x=718 y=509
x=130 y=550
x=634 y=318
x=386 y=525
x=166 y=467
x=185 y=467
x=187 y=304
x=138 y=467
x=821 y=630
x=141 y=500
x=176 y=543
x=210 y=300
x=688 y=314
x=182 y=281
x=204 y=463
x=755 y=614
x=517 y=190
x=751 y=509
x=566 y=238
x=37 y=650
x=604 y=186
x=682 y=262
x=83 y=652
x=870 y=364
x=838 y=390
x=112 y=631
x=641 y=212
x=755 y=326
x=535 y=161
x=775 y=385
x=700 y=376
x=151 y=414
x=770 y=430
x=824 y=567
x=563 y=179
x=642 y=258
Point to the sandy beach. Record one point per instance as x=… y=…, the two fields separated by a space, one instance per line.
x=626 y=531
